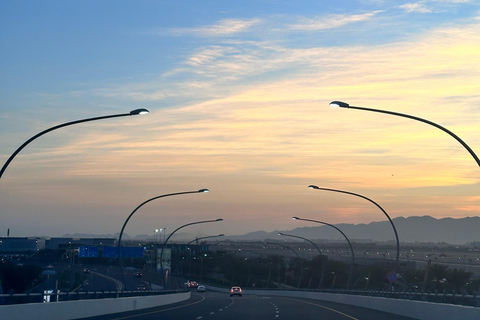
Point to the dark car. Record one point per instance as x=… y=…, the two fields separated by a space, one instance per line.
x=236 y=291
x=138 y=275
x=192 y=284
x=141 y=287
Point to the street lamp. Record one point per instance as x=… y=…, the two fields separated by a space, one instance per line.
x=171 y=234
x=318 y=249
x=298 y=237
x=386 y=214
x=131 y=214
x=284 y=246
x=157 y=197
x=350 y=245
x=201 y=238
x=131 y=113
x=296 y=253
x=190 y=254
x=346 y=105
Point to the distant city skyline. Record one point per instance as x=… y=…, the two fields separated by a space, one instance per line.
x=239 y=95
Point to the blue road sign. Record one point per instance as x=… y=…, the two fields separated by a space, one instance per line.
x=392 y=276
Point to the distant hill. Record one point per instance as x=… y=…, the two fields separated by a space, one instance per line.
x=410 y=229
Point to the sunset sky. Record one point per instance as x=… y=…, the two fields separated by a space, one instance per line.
x=238 y=93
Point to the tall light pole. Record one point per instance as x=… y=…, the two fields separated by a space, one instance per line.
x=151 y=199
x=346 y=105
x=171 y=234
x=131 y=113
x=298 y=237
x=298 y=256
x=201 y=238
x=196 y=242
x=284 y=246
x=145 y=202
x=318 y=249
x=346 y=238
x=368 y=199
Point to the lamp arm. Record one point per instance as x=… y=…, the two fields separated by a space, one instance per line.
x=51 y=129
x=472 y=153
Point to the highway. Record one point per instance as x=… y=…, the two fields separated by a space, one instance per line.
x=218 y=306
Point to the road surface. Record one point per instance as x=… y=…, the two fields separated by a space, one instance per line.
x=220 y=306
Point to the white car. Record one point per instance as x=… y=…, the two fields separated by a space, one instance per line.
x=201 y=289
x=236 y=291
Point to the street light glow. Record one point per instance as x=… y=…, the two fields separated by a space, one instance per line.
x=139 y=111
x=203 y=190
x=340 y=104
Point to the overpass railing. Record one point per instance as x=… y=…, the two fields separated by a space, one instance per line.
x=54 y=295
x=446 y=297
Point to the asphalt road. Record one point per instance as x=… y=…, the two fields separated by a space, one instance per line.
x=219 y=306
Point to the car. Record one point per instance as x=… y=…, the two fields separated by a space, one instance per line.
x=138 y=275
x=236 y=291
x=192 y=284
x=86 y=270
x=201 y=289
x=141 y=287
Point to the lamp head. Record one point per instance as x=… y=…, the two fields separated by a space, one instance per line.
x=221 y=235
x=295 y=218
x=313 y=187
x=339 y=104
x=220 y=219
x=139 y=111
x=203 y=190
x=280 y=234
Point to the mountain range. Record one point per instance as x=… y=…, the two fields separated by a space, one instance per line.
x=425 y=229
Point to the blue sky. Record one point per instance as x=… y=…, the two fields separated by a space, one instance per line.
x=238 y=94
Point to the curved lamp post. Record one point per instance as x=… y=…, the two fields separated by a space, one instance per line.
x=298 y=237
x=151 y=199
x=196 y=239
x=296 y=253
x=346 y=238
x=201 y=238
x=386 y=214
x=284 y=246
x=119 y=249
x=346 y=105
x=171 y=234
x=131 y=113
x=318 y=249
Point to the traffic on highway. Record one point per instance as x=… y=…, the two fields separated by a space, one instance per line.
x=220 y=305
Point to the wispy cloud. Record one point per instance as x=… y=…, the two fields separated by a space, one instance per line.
x=416 y=7
x=222 y=28
x=332 y=21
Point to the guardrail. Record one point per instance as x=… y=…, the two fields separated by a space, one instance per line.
x=88 y=305
x=54 y=296
x=444 y=297
x=464 y=299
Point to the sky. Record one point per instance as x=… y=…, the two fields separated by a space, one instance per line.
x=238 y=94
